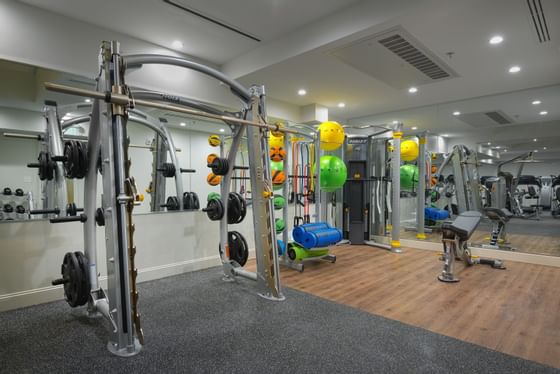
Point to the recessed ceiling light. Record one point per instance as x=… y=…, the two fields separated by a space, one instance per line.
x=177 y=44
x=87 y=100
x=395 y=122
x=505 y=150
x=544 y=148
x=183 y=124
x=514 y=69
x=456 y=113
x=445 y=135
x=535 y=139
x=498 y=147
x=543 y=113
x=413 y=90
x=489 y=143
x=496 y=39
x=341 y=105
x=302 y=92
x=536 y=151
x=414 y=128
x=536 y=102
x=222 y=130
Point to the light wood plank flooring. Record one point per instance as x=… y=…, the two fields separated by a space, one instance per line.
x=515 y=311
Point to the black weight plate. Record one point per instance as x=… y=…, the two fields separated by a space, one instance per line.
x=85 y=288
x=71 y=270
x=238 y=248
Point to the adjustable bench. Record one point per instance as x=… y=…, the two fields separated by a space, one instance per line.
x=455 y=237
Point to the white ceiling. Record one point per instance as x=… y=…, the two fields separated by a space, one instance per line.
x=461 y=27
x=160 y=23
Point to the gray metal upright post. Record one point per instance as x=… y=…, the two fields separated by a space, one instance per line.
x=268 y=272
x=113 y=133
x=59 y=192
x=317 y=176
x=396 y=190
x=422 y=177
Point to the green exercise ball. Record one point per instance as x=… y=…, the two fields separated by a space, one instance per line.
x=409 y=176
x=280 y=225
x=276 y=165
x=279 y=202
x=333 y=173
x=213 y=196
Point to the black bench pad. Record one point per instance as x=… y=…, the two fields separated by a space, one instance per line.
x=464 y=225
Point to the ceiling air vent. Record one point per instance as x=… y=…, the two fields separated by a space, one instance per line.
x=539 y=21
x=402 y=48
x=498 y=117
x=394 y=57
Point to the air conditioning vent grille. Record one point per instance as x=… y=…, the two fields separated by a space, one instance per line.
x=498 y=118
x=539 y=21
x=402 y=48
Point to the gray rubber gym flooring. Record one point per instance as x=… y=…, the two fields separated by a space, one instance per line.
x=195 y=323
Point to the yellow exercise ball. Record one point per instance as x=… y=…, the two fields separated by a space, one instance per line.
x=275 y=141
x=332 y=135
x=409 y=150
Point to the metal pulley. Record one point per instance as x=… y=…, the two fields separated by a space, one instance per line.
x=74 y=271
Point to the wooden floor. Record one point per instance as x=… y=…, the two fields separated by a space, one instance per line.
x=515 y=311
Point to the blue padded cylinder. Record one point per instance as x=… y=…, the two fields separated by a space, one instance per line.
x=299 y=231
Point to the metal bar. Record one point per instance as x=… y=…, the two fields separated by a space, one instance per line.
x=318 y=178
x=422 y=177
x=136 y=61
x=396 y=190
x=22 y=136
x=75 y=121
x=56 y=148
x=245 y=274
x=125 y=100
x=285 y=189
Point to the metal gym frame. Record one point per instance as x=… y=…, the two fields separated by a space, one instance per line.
x=395 y=155
x=107 y=133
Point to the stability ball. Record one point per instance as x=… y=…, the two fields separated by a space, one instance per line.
x=275 y=141
x=276 y=165
x=409 y=150
x=279 y=202
x=333 y=173
x=332 y=135
x=409 y=176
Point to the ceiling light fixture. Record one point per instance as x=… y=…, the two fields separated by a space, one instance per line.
x=177 y=44
x=536 y=151
x=489 y=143
x=543 y=113
x=496 y=39
x=183 y=124
x=535 y=139
x=395 y=122
x=341 y=105
x=514 y=69
x=222 y=130
x=87 y=100
x=536 y=102
x=414 y=128
x=544 y=148
x=302 y=92
x=456 y=113
x=413 y=90
x=445 y=135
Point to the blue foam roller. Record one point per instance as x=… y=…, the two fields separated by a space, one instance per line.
x=299 y=231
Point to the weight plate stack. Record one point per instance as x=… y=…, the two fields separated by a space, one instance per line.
x=237 y=208
x=238 y=248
